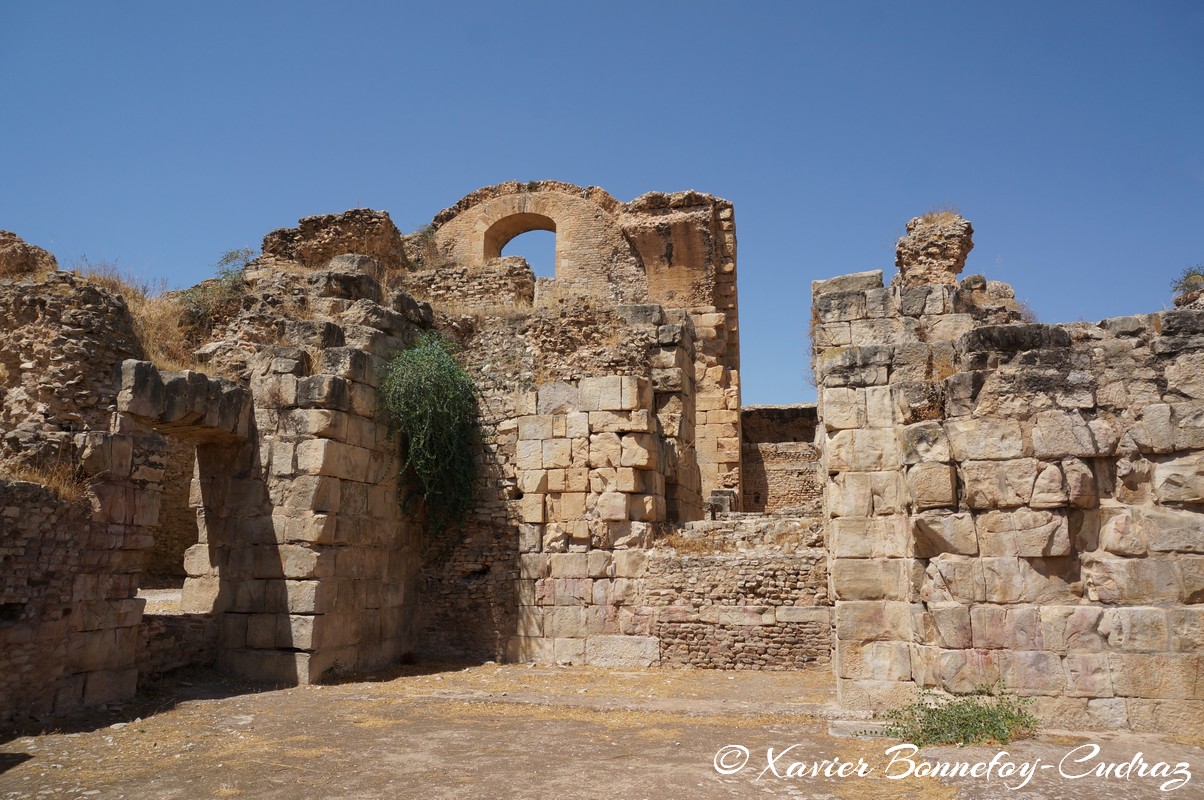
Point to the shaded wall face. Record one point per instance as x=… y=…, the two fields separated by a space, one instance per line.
x=780 y=468
x=1015 y=503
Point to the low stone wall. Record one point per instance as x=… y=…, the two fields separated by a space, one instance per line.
x=763 y=608
x=169 y=642
x=68 y=614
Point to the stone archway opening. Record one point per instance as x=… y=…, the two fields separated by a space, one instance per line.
x=538 y=248
x=501 y=233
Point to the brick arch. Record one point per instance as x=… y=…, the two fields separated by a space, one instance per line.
x=505 y=229
x=593 y=256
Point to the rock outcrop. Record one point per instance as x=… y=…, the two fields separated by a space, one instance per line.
x=934 y=250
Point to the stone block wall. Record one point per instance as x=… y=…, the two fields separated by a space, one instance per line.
x=176 y=529
x=780 y=462
x=1012 y=502
x=506 y=282
x=707 y=606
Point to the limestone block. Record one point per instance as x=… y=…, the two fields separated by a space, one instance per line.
x=599 y=564
x=529 y=455
x=1180 y=480
x=622 y=651
x=1049 y=491
x=1169 y=676
x=554 y=480
x=604 y=479
x=867 y=695
x=942 y=532
x=874 y=579
x=932 y=486
x=530 y=538
x=855 y=281
x=1156 y=431
x=645 y=507
x=1066 y=433
x=635 y=393
x=1070 y=628
x=886 y=661
x=1087 y=675
x=1119 y=533
x=1165 y=716
x=557 y=397
x=839 y=306
x=1080 y=483
x=1024 y=532
x=529 y=650
x=601 y=393
x=1130 y=581
x=878 y=537
x=533 y=481
x=879 y=407
x=1186 y=628
x=862 y=450
x=1185 y=375
x=630 y=563
x=605 y=450
x=535 y=427
x=1135 y=629
x=1007 y=627
x=963 y=671
x=576 y=479
x=557 y=454
x=1191 y=568
x=572 y=591
x=530 y=621
x=985 y=439
x=1019 y=580
x=953 y=578
x=566 y=621
x=924 y=441
x=861 y=494
x=873 y=620
x=568 y=651
x=999 y=484
x=945 y=625
x=640 y=420
x=576 y=425
x=843 y=408
x=611 y=506
x=531 y=508
x=639 y=450
x=1032 y=672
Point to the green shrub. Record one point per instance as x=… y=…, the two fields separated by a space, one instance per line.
x=432 y=405
x=219 y=297
x=1191 y=280
x=987 y=715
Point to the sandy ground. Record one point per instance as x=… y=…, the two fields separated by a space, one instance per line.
x=494 y=731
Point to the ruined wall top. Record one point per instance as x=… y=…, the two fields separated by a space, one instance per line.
x=934 y=249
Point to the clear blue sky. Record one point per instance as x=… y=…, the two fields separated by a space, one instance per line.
x=160 y=135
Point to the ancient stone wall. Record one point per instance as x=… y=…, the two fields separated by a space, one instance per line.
x=176 y=529
x=502 y=284
x=701 y=605
x=1012 y=502
x=780 y=462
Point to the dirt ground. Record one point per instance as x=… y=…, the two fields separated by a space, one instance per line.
x=511 y=731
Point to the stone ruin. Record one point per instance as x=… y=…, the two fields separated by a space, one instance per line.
x=974 y=499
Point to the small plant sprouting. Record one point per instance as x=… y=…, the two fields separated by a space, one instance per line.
x=989 y=714
x=208 y=301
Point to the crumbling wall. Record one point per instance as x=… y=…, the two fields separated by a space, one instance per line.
x=1012 y=502
x=780 y=462
x=176 y=529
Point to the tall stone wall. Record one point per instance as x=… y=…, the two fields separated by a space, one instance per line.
x=1011 y=502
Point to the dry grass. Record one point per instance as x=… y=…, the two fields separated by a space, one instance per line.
x=1026 y=312
x=158 y=316
x=60 y=476
x=941 y=214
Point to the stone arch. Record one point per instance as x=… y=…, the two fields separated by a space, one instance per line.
x=593 y=256
x=508 y=228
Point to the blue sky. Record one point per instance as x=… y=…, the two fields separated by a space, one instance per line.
x=160 y=135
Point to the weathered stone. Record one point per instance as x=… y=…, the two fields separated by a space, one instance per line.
x=985 y=439
x=934 y=250
x=932 y=486
x=941 y=532
x=999 y=484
